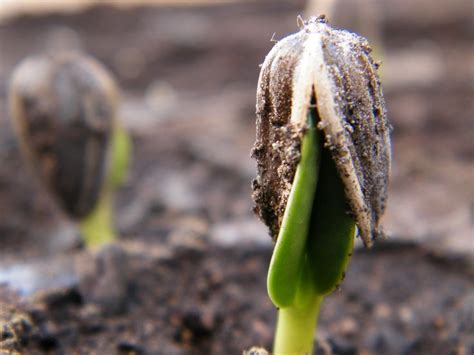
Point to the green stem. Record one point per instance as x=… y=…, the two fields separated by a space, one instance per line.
x=121 y=147
x=296 y=328
x=97 y=227
x=296 y=324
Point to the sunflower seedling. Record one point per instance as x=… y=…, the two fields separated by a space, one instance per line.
x=323 y=158
x=64 y=109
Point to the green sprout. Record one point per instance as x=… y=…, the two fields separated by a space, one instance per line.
x=64 y=109
x=97 y=227
x=323 y=156
x=320 y=261
x=317 y=195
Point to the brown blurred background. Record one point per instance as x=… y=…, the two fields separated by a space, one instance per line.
x=188 y=72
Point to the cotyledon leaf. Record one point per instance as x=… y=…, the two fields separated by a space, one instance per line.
x=290 y=249
x=332 y=230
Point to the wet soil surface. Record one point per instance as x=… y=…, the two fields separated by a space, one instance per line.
x=188 y=273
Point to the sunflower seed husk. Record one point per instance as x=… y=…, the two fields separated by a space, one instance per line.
x=332 y=71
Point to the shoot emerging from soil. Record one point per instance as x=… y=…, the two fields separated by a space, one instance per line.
x=323 y=157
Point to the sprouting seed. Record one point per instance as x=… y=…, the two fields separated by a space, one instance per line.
x=320 y=98
x=64 y=110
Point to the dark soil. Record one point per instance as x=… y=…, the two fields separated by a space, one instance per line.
x=200 y=299
x=188 y=273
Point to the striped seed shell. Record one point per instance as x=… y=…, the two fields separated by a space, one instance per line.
x=332 y=70
x=63 y=108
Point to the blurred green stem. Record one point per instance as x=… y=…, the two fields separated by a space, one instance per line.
x=97 y=227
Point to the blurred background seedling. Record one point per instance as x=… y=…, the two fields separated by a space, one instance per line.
x=64 y=110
